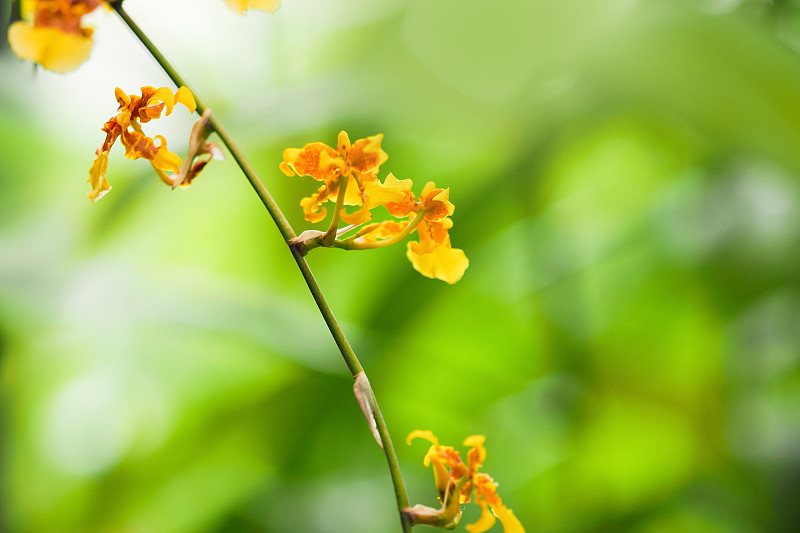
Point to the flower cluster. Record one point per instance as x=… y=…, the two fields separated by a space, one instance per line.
x=349 y=176
x=456 y=482
x=126 y=125
x=52 y=33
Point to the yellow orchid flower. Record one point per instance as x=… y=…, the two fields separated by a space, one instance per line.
x=51 y=33
x=355 y=168
x=240 y=6
x=126 y=125
x=355 y=164
x=456 y=482
x=432 y=256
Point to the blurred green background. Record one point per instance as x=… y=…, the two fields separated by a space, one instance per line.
x=627 y=337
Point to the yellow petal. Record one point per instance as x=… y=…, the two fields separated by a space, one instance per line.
x=352 y=195
x=240 y=6
x=426 y=243
x=404 y=206
x=150 y=112
x=486 y=490
x=166 y=180
x=444 y=263
x=358 y=217
x=486 y=520
x=343 y=142
x=366 y=156
x=438 y=230
x=184 y=96
x=52 y=48
x=161 y=95
x=312 y=205
x=404 y=186
x=121 y=97
x=439 y=206
x=97 y=177
x=309 y=161
x=422 y=434
x=285 y=167
x=441 y=477
x=476 y=442
x=511 y=523
x=387 y=192
x=164 y=159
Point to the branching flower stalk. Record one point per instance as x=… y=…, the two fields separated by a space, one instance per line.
x=52 y=34
x=349 y=174
x=363 y=391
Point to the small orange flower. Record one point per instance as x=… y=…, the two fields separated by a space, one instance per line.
x=357 y=164
x=456 y=482
x=126 y=125
x=52 y=35
x=432 y=256
x=240 y=6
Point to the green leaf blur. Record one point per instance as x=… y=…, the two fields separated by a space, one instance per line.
x=626 y=176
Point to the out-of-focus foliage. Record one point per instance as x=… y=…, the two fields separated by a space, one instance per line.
x=627 y=176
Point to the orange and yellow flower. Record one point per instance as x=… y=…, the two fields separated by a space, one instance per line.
x=456 y=482
x=240 y=6
x=354 y=164
x=433 y=255
x=52 y=34
x=357 y=166
x=126 y=125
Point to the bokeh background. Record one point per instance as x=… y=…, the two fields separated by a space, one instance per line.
x=627 y=337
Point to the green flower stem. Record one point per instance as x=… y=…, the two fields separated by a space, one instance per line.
x=350 y=244
x=288 y=234
x=272 y=207
x=348 y=229
x=330 y=235
x=338 y=335
x=401 y=497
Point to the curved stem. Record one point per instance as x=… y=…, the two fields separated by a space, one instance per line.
x=272 y=207
x=288 y=234
x=350 y=244
x=327 y=314
x=401 y=497
x=330 y=235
